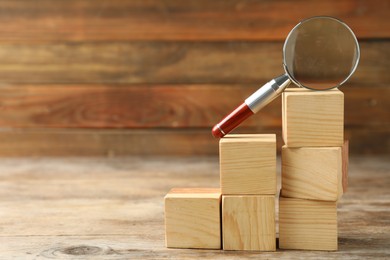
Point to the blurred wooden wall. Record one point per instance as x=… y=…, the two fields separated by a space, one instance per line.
x=116 y=77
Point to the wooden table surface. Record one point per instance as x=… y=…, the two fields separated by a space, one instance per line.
x=112 y=208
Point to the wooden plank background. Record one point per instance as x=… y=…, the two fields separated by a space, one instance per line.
x=152 y=77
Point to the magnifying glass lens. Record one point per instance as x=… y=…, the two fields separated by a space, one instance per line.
x=320 y=53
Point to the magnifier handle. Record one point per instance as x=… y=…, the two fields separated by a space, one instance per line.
x=262 y=97
x=232 y=120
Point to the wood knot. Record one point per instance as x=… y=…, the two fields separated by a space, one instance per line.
x=78 y=252
x=82 y=250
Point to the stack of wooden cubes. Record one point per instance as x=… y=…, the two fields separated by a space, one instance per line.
x=241 y=214
x=243 y=210
x=248 y=186
x=314 y=168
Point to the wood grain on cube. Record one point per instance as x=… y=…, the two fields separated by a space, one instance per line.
x=307 y=224
x=313 y=118
x=248 y=222
x=248 y=164
x=345 y=162
x=312 y=173
x=192 y=218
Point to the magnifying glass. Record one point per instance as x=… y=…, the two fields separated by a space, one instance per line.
x=319 y=53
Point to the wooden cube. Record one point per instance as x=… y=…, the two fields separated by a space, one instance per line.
x=313 y=118
x=312 y=173
x=248 y=222
x=307 y=224
x=192 y=218
x=248 y=164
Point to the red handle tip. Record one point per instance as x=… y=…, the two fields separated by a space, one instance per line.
x=217 y=133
